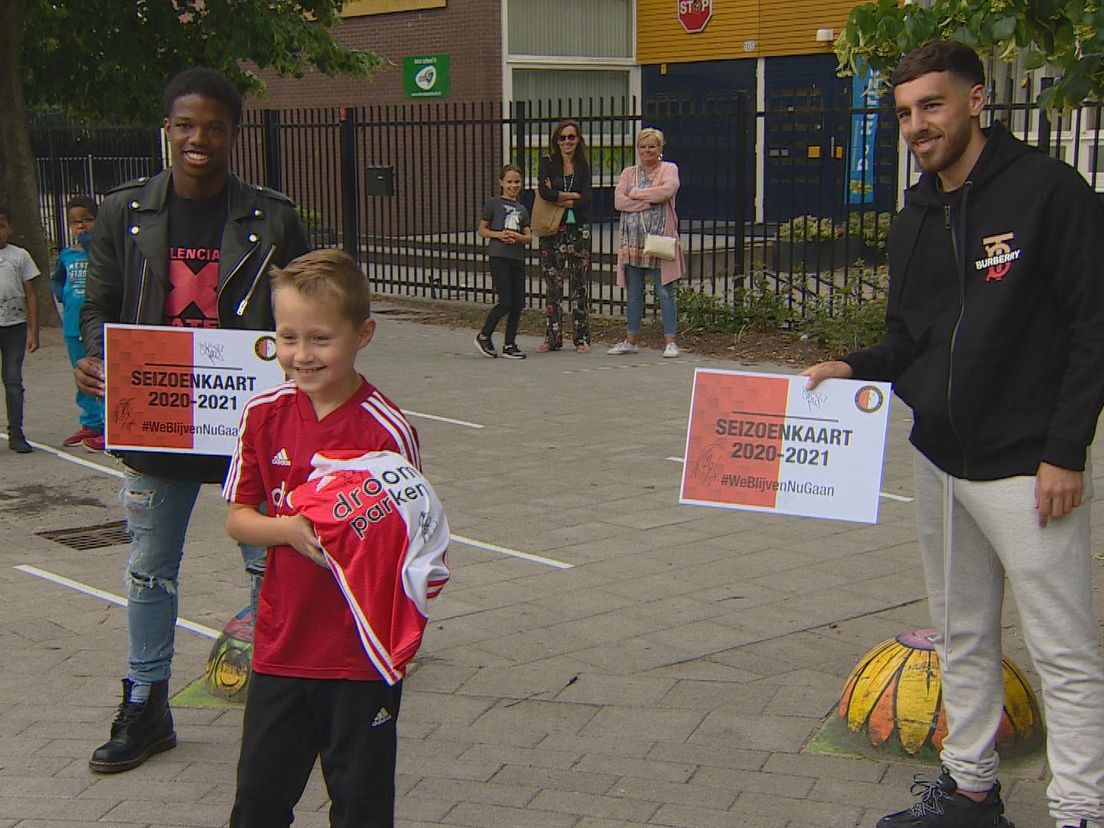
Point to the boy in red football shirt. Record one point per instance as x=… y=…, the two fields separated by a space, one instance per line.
x=314 y=692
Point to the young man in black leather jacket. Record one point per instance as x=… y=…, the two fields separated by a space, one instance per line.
x=190 y=247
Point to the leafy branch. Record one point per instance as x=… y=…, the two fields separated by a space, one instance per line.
x=1067 y=35
x=109 y=59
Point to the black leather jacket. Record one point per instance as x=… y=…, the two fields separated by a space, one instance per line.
x=128 y=278
x=128 y=269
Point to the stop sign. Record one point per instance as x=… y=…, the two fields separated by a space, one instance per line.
x=694 y=14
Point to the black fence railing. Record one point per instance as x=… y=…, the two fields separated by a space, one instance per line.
x=777 y=200
x=74 y=158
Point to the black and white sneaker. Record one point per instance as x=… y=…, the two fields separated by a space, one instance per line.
x=485 y=346
x=512 y=351
x=939 y=805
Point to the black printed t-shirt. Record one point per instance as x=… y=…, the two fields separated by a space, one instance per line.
x=195 y=234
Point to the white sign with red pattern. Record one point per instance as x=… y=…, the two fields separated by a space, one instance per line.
x=764 y=442
x=182 y=389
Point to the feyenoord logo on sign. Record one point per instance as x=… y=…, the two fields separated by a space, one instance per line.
x=694 y=14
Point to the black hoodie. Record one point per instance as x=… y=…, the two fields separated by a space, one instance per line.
x=995 y=316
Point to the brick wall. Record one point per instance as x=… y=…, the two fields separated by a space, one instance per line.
x=469 y=31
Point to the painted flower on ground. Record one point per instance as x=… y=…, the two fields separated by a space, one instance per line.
x=894 y=695
x=227 y=673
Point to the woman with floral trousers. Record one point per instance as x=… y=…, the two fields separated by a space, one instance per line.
x=567 y=253
x=563 y=178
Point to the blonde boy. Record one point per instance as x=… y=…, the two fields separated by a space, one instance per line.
x=314 y=692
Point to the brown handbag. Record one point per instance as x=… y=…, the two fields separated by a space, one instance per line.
x=547 y=217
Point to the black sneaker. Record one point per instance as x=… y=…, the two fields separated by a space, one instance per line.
x=485 y=346
x=941 y=807
x=512 y=351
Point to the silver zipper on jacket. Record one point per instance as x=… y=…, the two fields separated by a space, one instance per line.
x=141 y=290
x=244 y=303
x=960 y=272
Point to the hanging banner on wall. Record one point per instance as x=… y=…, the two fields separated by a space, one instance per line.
x=694 y=15
x=360 y=8
x=864 y=133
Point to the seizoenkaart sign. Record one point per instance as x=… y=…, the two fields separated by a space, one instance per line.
x=766 y=443
x=694 y=14
x=182 y=389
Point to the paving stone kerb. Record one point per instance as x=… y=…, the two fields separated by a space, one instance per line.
x=671 y=677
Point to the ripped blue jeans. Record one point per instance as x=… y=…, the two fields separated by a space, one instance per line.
x=157 y=513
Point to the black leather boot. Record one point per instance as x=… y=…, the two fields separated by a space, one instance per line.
x=140 y=730
x=17 y=442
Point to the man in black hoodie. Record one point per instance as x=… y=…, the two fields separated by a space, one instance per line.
x=995 y=339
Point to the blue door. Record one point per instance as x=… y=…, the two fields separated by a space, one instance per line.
x=808 y=124
x=706 y=112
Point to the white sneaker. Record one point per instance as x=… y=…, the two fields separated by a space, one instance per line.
x=671 y=351
x=625 y=347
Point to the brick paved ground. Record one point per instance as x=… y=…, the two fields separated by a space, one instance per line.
x=672 y=677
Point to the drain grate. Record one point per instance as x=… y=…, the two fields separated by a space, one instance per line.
x=84 y=538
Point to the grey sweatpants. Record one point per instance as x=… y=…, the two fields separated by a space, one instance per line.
x=990 y=529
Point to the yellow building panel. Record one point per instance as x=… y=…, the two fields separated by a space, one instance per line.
x=790 y=28
x=661 y=37
x=738 y=29
x=362 y=8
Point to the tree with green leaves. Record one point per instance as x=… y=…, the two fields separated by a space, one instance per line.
x=1067 y=35
x=109 y=60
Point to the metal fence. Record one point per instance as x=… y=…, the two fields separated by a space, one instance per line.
x=401 y=188
x=74 y=158
x=768 y=199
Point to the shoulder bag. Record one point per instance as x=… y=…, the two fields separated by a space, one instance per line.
x=656 y=245
x=660 y=247
x=546 y=218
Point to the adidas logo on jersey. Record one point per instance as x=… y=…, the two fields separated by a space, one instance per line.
x=281 y=458
x=382 y=718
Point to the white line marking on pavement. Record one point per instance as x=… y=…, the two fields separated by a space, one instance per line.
x=898 y=498
x=513 y=553
x=464 y=423
x=80 y=461
x=183 y=623
x=886 y=495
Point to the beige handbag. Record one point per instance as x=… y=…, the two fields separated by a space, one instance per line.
x=661 y=247
x=547 y=217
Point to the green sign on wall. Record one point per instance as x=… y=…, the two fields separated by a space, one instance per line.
x=426 y=76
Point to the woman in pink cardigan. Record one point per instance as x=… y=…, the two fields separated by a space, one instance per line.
x=645 y=195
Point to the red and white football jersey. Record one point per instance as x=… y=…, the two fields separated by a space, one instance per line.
x=304 y=627
x=385 y=537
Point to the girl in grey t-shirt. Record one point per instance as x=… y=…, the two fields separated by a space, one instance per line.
x=505 y=224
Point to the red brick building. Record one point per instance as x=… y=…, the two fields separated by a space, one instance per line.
x=468 y=31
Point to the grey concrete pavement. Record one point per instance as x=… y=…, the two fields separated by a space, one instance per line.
x=671 y=677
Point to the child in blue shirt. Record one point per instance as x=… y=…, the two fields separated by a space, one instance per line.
x=67 y=283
